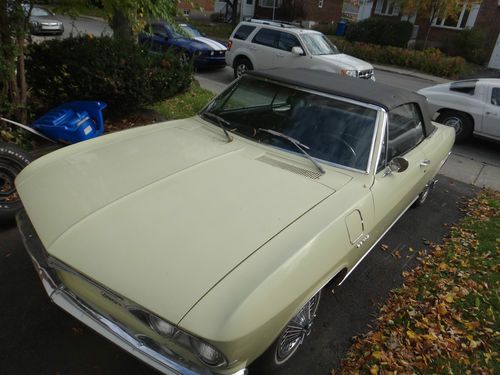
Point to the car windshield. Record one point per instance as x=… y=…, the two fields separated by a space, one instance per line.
x=40 y=12
x=318 y=44
x=190 y=30
x=334 y=130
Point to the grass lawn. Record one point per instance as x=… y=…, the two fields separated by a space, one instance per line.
x=444 y=320
x=184 y=105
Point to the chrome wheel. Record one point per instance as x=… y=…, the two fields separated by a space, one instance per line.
x=456 y=123
x=297 y=329
x=241 y=69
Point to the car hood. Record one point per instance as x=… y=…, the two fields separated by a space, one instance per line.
x=197 y=45
x=345 y=61
x=441 y=88
x=161 y=214
x=210 y=43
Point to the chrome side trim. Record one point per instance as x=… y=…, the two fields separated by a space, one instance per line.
x=376 y=242
x=138 y=345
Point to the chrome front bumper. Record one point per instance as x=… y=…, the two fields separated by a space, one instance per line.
x=136 y=345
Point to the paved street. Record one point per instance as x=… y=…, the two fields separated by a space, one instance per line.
x=39 y=338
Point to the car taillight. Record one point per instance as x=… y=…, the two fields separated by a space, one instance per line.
x=229 y=44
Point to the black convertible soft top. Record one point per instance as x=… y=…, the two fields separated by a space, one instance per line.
x=362 y=90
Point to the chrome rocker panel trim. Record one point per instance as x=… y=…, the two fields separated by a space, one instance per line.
x=155 y=356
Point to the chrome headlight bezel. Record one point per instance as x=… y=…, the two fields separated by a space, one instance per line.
x=178 y=336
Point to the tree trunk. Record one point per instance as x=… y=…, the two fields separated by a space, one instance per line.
x=433 y=14
x=21 y=110
x=120 y=24
x=234 y=18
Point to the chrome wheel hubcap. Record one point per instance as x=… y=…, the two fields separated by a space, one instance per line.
x=296 y=331
x=455 y=123
x=241 y=69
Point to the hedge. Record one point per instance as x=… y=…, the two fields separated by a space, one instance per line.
x=431 y=61
x=380 y=31
x=117 y=72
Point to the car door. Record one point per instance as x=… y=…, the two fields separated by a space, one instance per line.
x=263 y=47
x=491 y=114
x=159 y=38
x=283 y=56
x=393 y=192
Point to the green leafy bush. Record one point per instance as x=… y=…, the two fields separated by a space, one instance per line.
x=469 y=44
x=380 y=31
x=431 y=61
x=117 y=72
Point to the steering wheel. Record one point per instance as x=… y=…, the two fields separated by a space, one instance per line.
x=333 y=153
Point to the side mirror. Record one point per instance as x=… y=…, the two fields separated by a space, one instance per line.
x=398 y=164
x=297 y=51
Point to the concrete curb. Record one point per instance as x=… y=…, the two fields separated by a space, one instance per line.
x=394 y=69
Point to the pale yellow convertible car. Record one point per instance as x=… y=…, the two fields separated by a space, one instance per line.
x=201 y=245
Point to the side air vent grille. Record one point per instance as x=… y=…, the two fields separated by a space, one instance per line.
x=291 y=168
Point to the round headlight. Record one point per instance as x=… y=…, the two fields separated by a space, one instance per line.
x=161 y=326
x=207 y=353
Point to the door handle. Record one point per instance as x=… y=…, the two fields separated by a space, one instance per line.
x=252 y=48
x=280 y=55
x=490 y=113
x=425 y=163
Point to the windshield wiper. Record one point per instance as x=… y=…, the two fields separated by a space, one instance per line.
x=221 y=122
x=296 y=143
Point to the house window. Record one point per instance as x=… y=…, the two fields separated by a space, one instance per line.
x=464 y=18
x=387 y=8
x=270 y=3
x=320 y=3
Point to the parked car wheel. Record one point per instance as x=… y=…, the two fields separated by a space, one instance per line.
x=241 y=65
x=12 y=161
x=460 y=121
x=289 y=340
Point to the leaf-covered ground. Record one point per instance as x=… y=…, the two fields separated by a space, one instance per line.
x=444 y=319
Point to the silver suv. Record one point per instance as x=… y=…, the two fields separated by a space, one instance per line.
x=259 y=44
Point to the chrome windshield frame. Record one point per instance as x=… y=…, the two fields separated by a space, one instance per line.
x=380 y=112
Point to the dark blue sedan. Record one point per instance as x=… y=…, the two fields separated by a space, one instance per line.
x=207 y=53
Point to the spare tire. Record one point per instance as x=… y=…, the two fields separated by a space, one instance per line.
x=12 y=161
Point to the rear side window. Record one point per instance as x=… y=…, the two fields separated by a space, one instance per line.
x=405 y=130
x=465 y=87
x=266 y=37
x=495 y=96
x=287 y=41
x=243 y=32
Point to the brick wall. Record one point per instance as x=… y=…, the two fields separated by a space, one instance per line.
x=309 y=10
x=488 y=20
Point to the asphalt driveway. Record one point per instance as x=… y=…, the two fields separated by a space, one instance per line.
x=39 y=338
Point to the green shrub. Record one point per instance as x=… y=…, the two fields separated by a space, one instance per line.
x=431 y=61
x=116 y=72
x=469 y=44
x=380 y=31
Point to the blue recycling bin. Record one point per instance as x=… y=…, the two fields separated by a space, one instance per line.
x=341 y=27
x=72 y=122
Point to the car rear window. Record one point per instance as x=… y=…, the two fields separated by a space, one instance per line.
x=243 y=32
x=466 y=87
x=266 y=37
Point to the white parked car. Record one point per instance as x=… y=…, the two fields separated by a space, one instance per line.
x=470 y=106
x=261 y=44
